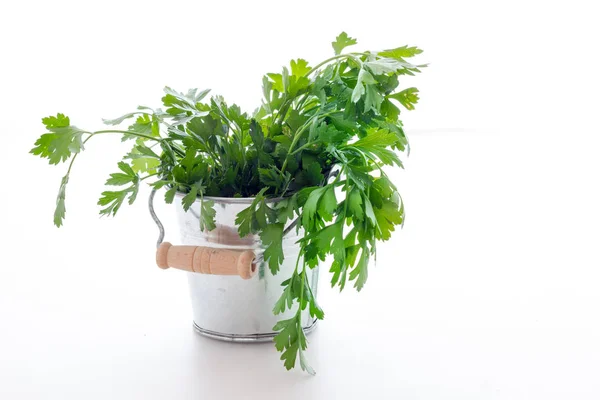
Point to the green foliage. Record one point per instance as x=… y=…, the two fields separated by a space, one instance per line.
x=61 y=142
x=291 y=339
x=341 y=42
x=254 y=219
x=143 y=158
x=317 y=143
x=59 y=211
x=408 y=97
x=207 y=215
x=112 y=200
x=271 y=236
x=400 y=53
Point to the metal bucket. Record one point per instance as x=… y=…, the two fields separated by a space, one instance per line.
x=228 y=307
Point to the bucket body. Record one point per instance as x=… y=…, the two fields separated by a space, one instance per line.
x=228 y=307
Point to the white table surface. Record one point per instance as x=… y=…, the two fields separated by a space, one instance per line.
x=490 y=291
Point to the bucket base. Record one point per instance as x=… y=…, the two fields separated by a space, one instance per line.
x=246 y=338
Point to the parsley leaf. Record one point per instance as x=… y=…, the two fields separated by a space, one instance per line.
x=374 y=145
x=207 y=215
x=341 y=42
x=364 y=78
x=288 y=341
x=170 y=195
x=291 y=339
x=189 y=198
x=389 y=215
x=112 y=200
x=59 y=212
x=355 y=204
x=400 y=53
x=327 y=204
x=361 y=271
x=254 y=218
x=286 y=299
x=119 y=120
x=143 y=159
x=310 y=208
x=299 y=67
x=407 y=97
x=271 y=237
x=313 y=174
x=62 y=141
x=60 y=121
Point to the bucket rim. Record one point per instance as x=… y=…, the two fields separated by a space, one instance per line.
x=233 y=200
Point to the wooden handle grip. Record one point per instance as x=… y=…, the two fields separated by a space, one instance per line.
x=206 y=260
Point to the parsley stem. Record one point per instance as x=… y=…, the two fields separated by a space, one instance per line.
x=301 y=104
x=128 y=133
x=304 y=146
x=148 y=176
x=348 y=55
x=346 y=199
x=75 y=155
x=280 y=113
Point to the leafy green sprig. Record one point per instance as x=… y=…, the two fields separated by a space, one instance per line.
x=318 y=143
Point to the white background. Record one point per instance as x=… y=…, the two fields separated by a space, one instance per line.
x=490 y=291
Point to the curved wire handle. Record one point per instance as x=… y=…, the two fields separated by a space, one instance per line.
x=161 y=228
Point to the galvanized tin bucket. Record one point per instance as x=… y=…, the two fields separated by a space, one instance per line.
x=228 y=307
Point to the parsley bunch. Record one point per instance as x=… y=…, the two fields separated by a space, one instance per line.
x=319 y=140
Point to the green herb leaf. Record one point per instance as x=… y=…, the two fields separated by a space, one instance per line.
x=286 y=208
x=400 y=53
x=310 y=209
x=388 y=215
x=327 y=204
x=189 y=198
x=207 y=215
x=375 y=144
x=364 y=78
x=273 y=177
x=285 y=301
x=386 y=65
x=408 y=97
x=254 y=218
x=143 y=159
x=60 y=210
x=146 y=125
x=299 y=67
x=114 y=199
x=60 y=121
x=361 y=271
x=355 y=204
x=341 y=42
x=117 y=121
x=271 y=237
x=313 y=174
x=315 y=310
x=170 y=195
x=62 y=141
x=291 y=341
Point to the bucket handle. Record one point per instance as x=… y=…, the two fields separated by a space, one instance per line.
x=200 y=259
